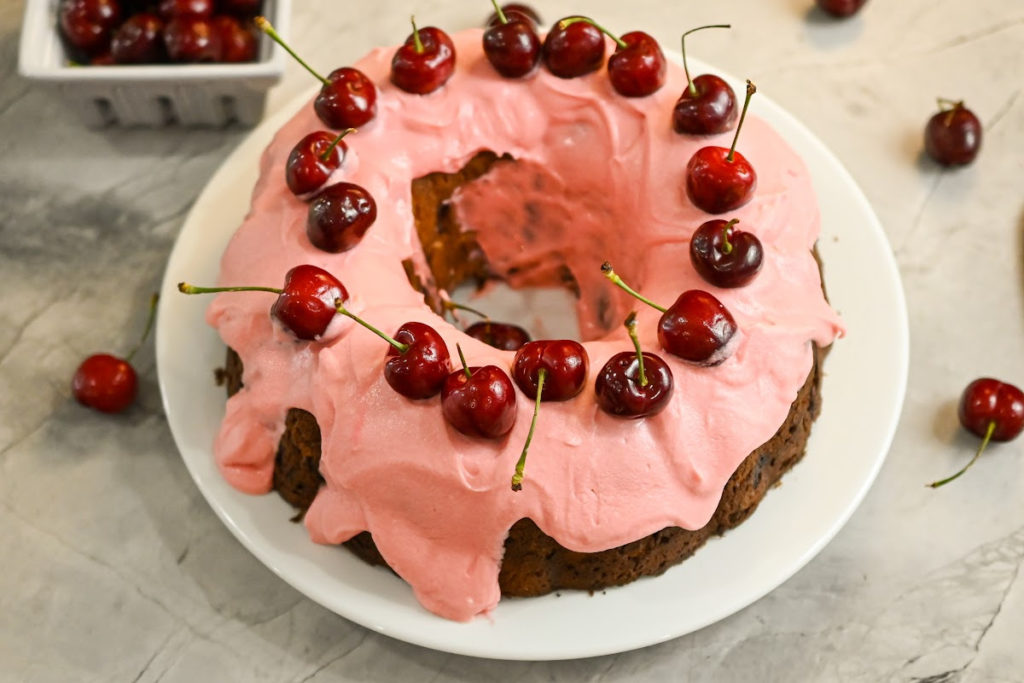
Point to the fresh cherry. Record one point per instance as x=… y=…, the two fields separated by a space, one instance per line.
x=238 y=42
x=306 y=304
x=107 y=383
x=990 y=409
x=696 y=328
x=573 y=48
x=564 y=362
x=425 y=62
x=512 y=47
x=708 y=104
x=720 y=179
x=417 y=362
x=339 y=216
x=170 y=9
x=514 y=11
x=723 y=256
x=139 y=40
x=88 y=24
x=953 y=135
x=313 y=159
x=637 y=68
x=504 y=336
x=479 y=401
x=192 y=39
x=348 y=98
x=840 y=8
x=634 y=383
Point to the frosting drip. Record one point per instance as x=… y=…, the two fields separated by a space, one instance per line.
x=598 y=177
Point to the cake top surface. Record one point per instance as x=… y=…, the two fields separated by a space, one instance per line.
x=603 y=176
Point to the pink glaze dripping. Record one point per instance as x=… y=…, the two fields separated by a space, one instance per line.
x=604 y=176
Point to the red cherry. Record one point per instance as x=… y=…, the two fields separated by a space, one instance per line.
x=708 y=104
x=512 y=47
x=421 y=369
x=170 y=9
x=990 y=409
x=514 y=11
x=105 y=59
x=564 y=362
x=479 y=401
x=348 y=99
x=139 y=40
x=637 y=68
x=306 y=304
x=953 y=136
x=840 y=8
x=425 y=62
x=191 y=39
x=240 y=8
x=723 y=256
x=105 y=383
x=88 y=24
x=573 y=48
x=634 y=383
x=720 y=179
x=238 y=42
x=339 y=216
x=504 y=336
x=313 y=159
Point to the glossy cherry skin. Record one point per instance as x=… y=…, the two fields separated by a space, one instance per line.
x=697 y=328
x=191 y=39
x=424 y=72
x=988 y=400
x=169 y=9
x=709 y=258
x=711 y=111
x=564 y=361
x=574 y=50
x=513 y=49
x=840 y=8
x=237 y=42
x=504 y=336
x=638 y=69
x=515 y=11
x=350 y=101
x=339 y=216
x=953 y=138
x=139 y=40
x=306 y=169
x=421 y=370
x=306 y=305
x=105 y=383
x=88 y=24
x=715 y=184
x=618 y=390
x=482 y=405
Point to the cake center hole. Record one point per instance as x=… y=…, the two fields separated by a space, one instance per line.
x=544 y=312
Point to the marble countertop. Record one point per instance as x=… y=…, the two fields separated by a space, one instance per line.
x=109 y=549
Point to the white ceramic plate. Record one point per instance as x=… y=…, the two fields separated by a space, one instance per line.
x=793 y=523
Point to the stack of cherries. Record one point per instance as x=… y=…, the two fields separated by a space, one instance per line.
x=101 y=32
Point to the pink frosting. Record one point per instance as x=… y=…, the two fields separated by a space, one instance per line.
x=600 y=177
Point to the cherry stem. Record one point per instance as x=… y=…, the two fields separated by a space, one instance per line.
x=462 y=359
x=951 y=104
x=340 y=306
x=984 y=442
x=631 y=329
x=565 y=23
x=149 y=325
x=609 y=273
x=327 y=153
x=726 y=244
x=186 y=288
x=693 y=88
x=517 y=478
x=266 y=27
x=417 y=43
x=501 y=17
x=751 y=89
x=450 y=305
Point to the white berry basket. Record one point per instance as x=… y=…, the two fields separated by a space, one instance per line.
x=157 y=94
